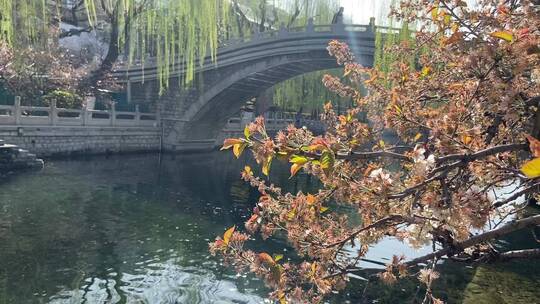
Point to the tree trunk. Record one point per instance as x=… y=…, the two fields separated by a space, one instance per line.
x=91 y=82
x=262 y=7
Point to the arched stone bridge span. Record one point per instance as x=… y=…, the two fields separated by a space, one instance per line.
x=193 y=117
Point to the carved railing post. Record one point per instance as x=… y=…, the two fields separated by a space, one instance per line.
x=17 y=110
x=137 y=115
x=339 y=26
x=53 y=112
x=84 y=114
x=372 y=24
x=113 y=114
x=310 y=27
x=283 y=32
x=256 y=34
x=158 y=114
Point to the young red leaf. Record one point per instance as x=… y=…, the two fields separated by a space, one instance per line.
x=230 y=142
x=266 y=259
x=534 y=145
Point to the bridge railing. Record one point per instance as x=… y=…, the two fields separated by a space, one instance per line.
x=282 y=33
x=19 y=115
x=310 y=28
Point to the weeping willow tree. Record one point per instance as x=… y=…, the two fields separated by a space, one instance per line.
x=169 y=29
x=391 y=33
x=307 y=93
x=24 y=22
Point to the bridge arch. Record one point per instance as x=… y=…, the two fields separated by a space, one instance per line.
x=243 y=71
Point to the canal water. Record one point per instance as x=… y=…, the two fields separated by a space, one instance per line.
x=135 y=229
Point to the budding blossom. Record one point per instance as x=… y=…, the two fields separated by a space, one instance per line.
x=380 y=175
x=422 y=164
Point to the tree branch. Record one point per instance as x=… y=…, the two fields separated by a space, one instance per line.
x=520 y=254
x=482 y=153
x=533 y=188
x=75 y=32
x=480 y=238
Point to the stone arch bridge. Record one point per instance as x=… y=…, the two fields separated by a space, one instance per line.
x=193 y=117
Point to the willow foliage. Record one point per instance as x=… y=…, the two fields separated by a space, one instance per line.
x=392 y=34
x=306 y=91
x=167 y=29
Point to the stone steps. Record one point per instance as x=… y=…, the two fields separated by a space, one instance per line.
x=14 y=158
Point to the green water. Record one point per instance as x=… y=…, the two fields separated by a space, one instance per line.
x=135 y=229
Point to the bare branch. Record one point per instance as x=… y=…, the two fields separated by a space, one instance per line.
x=480 y=238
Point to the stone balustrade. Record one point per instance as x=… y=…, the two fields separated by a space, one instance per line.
x=18 y=115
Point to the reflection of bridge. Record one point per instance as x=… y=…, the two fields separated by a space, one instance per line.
x=274 y=121
x=193 y=117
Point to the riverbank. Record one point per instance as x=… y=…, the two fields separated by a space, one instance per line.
x=46 y=141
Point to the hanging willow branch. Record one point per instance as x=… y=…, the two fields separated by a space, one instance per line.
x=168 y=29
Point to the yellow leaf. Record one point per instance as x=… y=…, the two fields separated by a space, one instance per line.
x=282 y=299
x=278 y=257
x=291 y=214
x=398 y=109
x=504 y=35
x=327 y=160
x=227 y=235
x=323 y=209
x=247 y=134
x=466 y=139
x=531 y=168
x=425 y=71
x=434 y=13
x=247 y=170
x=295 y=168
x=381 y=144
x=238 y=149
x=313 y=269
x=447 y=19
x=266 y=165
x=300 y=160
x=417 y=136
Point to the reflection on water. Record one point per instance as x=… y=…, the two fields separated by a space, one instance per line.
x=123 y=229
x=134 y=229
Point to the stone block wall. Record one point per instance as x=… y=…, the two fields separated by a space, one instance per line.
x=63 y=140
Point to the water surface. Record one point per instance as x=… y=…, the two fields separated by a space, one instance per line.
x=135 y=229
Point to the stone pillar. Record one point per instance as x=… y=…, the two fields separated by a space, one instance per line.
x=256 y=34
x=53 y=113
x=372 y=24
x=310 y=27
x=128 y=89
x=113 y=114
x=283 y=32
x=17 y=110
x=339 y=26
x=84 y=114
x=137 y=115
